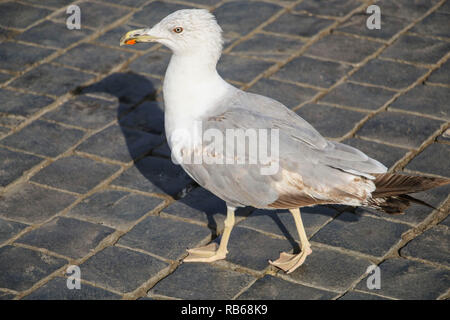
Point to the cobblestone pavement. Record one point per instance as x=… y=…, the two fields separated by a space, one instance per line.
x=86 y=177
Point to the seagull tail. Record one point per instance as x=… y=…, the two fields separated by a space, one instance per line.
x=392 y=189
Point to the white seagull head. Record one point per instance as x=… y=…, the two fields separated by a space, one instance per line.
x=185 y=32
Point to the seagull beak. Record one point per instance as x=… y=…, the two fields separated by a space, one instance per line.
x=136 y=36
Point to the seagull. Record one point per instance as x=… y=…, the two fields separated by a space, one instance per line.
x=310 y=170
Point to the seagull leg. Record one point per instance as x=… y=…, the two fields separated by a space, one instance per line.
x=212 y=252
x=289 y=262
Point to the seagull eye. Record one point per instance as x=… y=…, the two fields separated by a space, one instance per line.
x=178 y=30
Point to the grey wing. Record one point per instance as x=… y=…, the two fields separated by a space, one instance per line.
x=311 y=168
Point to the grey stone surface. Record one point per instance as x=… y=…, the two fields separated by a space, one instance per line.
x=120 y=143
x=147 y=117
x=324 y=119
x=388 y=73
x=49 y=33
x=290 y=95
x=18 y=57
x=69 y=237
x=153 y=12
x=94 y=58
x=50 y=3
x=356 y=295
x=51 y=79
x=121 y=269
x=215 y=283
x=272 y=288
x=432 y=245
x=116 y=209
x=361 y=233
x=6 y=296
x=14 y=165
x=156 y=175
x=154 y=62
x=230 y=67
x=330 y=269
x=75 y=174
x=84 y=111
x=431 y=100
x=441 y=75
x=9 y=11
x=399 y=128
x=8 y=229
x=410 y=280
x=312 y=71
x=357 y=25
x=404 y=9
x=432 y=160
x=435 y=25
x=337 y=8
x=164 y=237
x=56 y=289
x=44 y=138
x=29 y=203
x=20 y=103
x=21 y=268
x=302 y=25
x=343 y=48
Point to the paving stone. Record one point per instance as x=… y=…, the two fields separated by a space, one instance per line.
x=410 y=280
x=445 y=137
x=70 y=237
x=441 y=75
x=164 y=237
x=90 y=57
x=279 y=48
x=121 y=269
x=388 y=73
x=14 y=165
x=148 y=117
x=129 y=3
x=361 y=233
x=399 y=128
x=56 y=289
x=311 y=71
x=6 y=34
x=324 y=119
x=432 y=160
x=290 y=95
x=96 y=14
x=128 y=87
x=238 y=18
x=230 y=67
x=281 y=222
x=298 y=24
x=4 y=77
x=86 y=112
x=253 y=250
x=436 y=24
x=272 y=288
x=51 y=79
x=432 y=245
x=358 y=96
x=9 y=229
x=429 y=100
x=356 y=295
x=51 y=3
x=330 y=269
x=116 y=209
x=112 y=37
x=205 y=2
x=10 y=121
x=154 y=12
x=404 y=9
x=357 y=25
x=200 y=205
x=387 y=155
x=154 y=62
x=21 y=268
x=153 y=174
x=33 y=204
x=18 y=57
x=444 y=8
x=17 y=15
x=446 y=222
x=343 y=48
x=45 y=138
x=120 y=143
x=75 y=174
x=189 y=277
x=49 y=33
x=6 y=296
x=336 y=8
x=417 y=49
x=20 y=103
x=3 y=131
